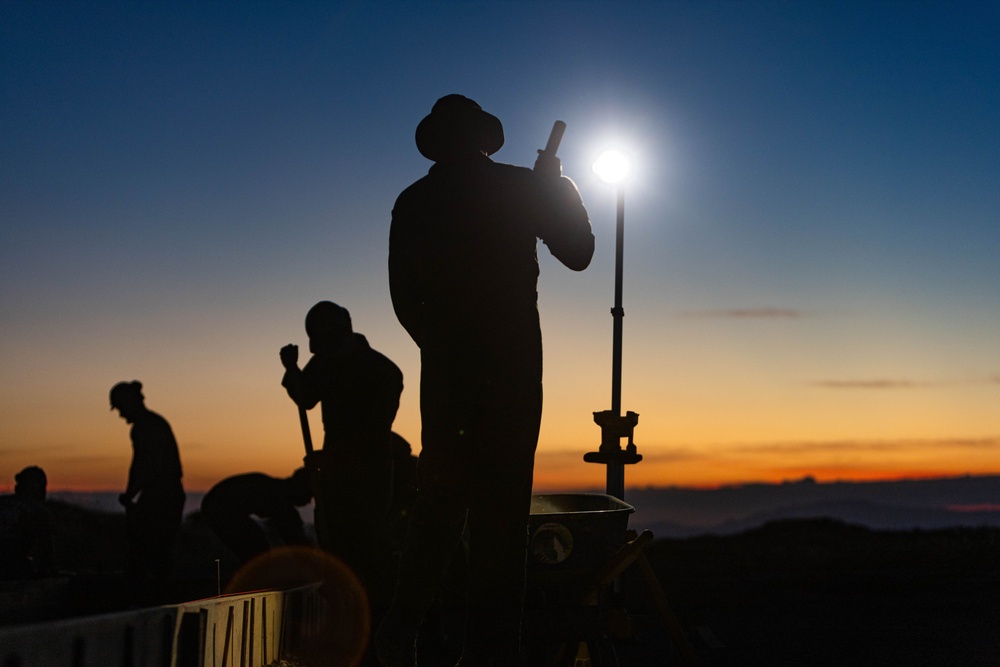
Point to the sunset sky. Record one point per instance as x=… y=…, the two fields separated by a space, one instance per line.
x=812 y=245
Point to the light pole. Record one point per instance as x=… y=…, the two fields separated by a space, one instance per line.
x=613 y=167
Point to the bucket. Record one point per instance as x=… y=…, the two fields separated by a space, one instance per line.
x=575 y=531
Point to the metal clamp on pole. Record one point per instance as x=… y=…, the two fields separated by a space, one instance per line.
x=614 y=427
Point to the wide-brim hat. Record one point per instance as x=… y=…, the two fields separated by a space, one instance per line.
x=457 y=125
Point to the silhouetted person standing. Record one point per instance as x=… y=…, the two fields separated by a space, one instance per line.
x=26 y=528
x=463 y=274
x=230 y=505
x=153 y=497
x=359 y=389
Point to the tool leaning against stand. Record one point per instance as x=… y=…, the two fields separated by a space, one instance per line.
x=311 y=466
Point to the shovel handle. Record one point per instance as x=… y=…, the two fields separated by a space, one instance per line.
x=306 y=434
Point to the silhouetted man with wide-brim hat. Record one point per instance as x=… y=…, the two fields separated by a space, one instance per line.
x=456 y=128
x=463 y=272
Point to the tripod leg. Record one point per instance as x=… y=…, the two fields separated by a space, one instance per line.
x=669 y=619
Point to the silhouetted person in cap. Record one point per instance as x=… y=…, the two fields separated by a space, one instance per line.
x=463 y=272
x=153 y=497
x=26 y=528
x=359 y=389
x=230 y=505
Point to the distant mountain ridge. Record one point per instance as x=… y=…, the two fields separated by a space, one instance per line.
x=107 y=501
x=684 y=512
x=894 y=505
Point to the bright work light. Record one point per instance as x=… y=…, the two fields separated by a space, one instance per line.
x=612 y=166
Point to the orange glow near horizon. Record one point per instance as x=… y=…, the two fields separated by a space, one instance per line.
x=714 y=467
x=584 y=478
x=554 y=472
x=90 y=450
x=708 y=417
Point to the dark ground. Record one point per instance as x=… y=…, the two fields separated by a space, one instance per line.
x=819 y=592
x=796 y=592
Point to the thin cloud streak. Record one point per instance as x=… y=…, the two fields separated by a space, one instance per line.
x=756 y=313
x=887 y=383
x=782 y=449
x=769 y=449
x=34 y=451
x=663 y=454
x=870 y=384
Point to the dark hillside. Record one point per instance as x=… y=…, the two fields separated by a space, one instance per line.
x=87 y=541
x=91 y=546
x=821 y=592
x=792 y=592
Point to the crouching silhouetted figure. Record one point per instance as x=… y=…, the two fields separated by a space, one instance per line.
x=230 y=506
x=26 y=528
x=153 y=497
x=359 y=389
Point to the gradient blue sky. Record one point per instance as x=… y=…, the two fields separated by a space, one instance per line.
x=812 y=261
